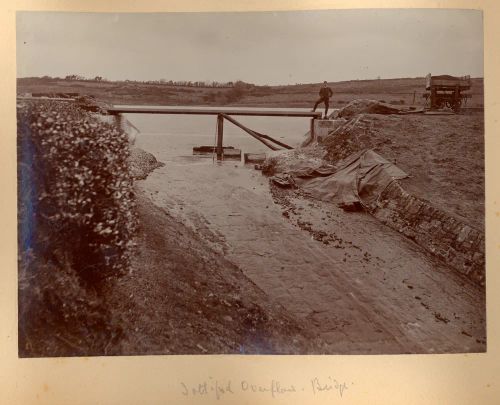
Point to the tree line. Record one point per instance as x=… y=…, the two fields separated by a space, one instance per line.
x=183 y=83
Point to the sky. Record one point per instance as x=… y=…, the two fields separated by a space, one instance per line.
x=261 y=48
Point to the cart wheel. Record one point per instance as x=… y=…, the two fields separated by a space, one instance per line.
x=449 y=104
x=427 y=102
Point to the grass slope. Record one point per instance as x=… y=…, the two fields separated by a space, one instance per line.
x=396 y=91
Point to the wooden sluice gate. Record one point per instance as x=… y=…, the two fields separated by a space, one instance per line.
x=229 y=152
x=222 y=114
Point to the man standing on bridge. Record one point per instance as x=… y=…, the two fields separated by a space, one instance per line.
x=324 y=97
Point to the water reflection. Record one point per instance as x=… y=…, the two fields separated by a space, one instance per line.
x=171 y=136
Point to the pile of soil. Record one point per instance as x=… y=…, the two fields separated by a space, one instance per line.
x=444 y=156
x=290 y=160
x=142 y=163
x=363 y=106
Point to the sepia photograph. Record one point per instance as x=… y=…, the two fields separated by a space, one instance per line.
x=289 y=182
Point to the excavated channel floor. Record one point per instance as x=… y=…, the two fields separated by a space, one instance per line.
x=365 y=288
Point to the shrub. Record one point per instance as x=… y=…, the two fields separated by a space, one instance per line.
x=80 y=188
x=235 y=94
x=76 y=219
x=238 y=91
x=57 y=317
x=210 y=97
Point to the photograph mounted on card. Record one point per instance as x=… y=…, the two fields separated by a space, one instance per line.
x=292 y=182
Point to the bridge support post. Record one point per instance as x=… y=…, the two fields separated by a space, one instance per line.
x=312 y=131
x=220 y=136
x=123 y=124
x=118 y=120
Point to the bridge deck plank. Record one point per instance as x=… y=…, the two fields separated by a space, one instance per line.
x=200 y=111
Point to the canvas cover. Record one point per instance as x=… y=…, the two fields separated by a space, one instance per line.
x=360 y=178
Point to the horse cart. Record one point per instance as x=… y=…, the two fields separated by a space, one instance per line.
x=446 y=91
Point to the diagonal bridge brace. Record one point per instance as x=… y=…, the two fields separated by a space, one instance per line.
x=265 y=139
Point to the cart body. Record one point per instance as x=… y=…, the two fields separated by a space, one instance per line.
x=446 y=91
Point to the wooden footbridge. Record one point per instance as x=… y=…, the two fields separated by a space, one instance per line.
x=221 y=114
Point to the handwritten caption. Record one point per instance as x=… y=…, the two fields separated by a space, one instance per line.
x=218 y=389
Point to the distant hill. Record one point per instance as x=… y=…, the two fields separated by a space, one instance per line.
x=397 y=91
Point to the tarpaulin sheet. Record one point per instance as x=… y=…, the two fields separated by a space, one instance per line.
x=360 y=178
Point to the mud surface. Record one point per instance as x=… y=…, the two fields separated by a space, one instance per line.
x=183 y=298
x=352 y=282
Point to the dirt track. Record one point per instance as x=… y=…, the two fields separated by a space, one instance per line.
x=362 y=287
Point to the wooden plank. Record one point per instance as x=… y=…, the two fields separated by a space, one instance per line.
x=232 y=154
x=254 y=157
x=439 y=113
x=227 y=152
x=201 y=111
x=45 y=98
x=207 y=149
